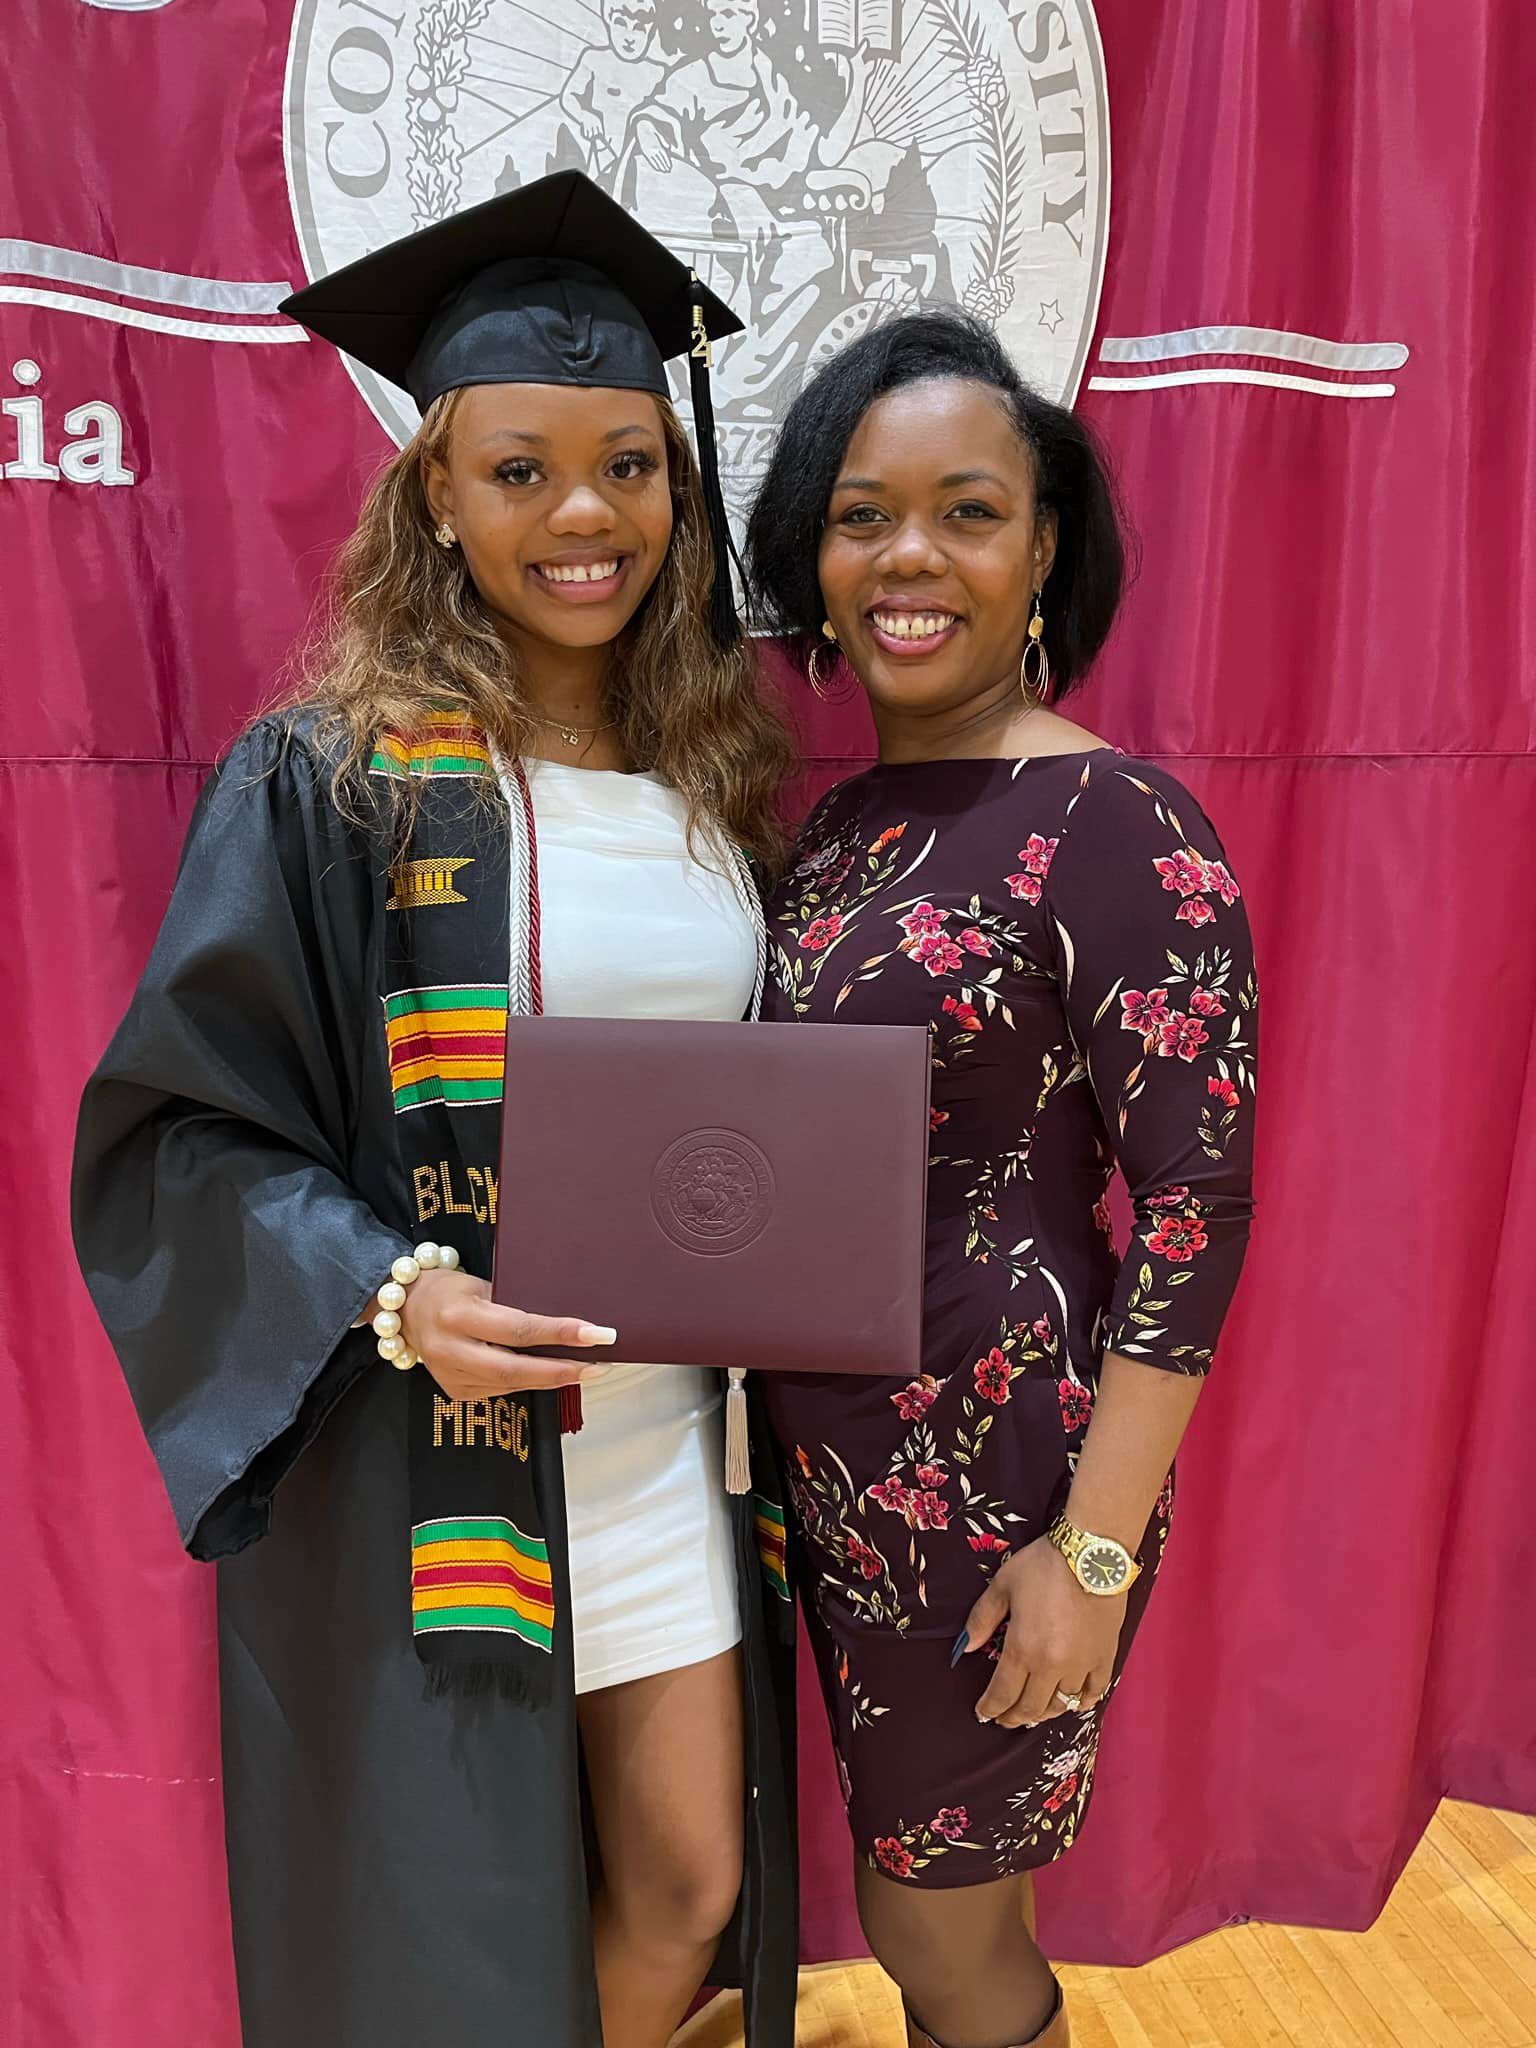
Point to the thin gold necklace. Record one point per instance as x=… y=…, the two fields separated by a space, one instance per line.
x=573 y=735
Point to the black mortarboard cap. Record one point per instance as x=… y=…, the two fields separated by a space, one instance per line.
x=554 y=283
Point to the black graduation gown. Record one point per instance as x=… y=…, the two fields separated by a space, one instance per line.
x=402 y=1870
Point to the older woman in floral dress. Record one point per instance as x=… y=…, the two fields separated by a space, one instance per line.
x=1064 y=921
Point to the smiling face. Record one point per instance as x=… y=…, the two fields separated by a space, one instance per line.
x=561 y=502
x=933 y=549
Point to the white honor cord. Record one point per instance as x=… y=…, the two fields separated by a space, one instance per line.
x=746 y=892
x=520 y=900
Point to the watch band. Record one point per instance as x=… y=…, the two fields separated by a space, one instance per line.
x=1072 y=1542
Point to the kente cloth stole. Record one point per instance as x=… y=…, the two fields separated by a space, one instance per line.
x=462 y=954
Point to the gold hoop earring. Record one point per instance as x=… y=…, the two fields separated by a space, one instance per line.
x=445 y=535
x=812 y=672
x=1034 y=689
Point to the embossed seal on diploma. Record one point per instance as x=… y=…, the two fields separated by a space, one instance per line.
x=712 y=1192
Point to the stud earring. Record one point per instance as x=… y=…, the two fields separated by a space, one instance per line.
x=445 y=535
x=812 y=671
x=1035 y=688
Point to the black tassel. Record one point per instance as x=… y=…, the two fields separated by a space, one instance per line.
x=723 y=619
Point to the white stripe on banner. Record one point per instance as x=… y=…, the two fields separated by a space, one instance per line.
x=1274 y=342
x=162 y=287
x=1273 y=380
x=134 y=316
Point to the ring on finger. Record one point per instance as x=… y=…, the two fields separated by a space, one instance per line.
x=1072 y=1701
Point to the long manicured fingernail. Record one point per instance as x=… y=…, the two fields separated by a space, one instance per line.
x=985 y=1720
x=594 y=1333
x=962 y=1644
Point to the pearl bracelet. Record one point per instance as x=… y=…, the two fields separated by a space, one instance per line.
x=403 y=1274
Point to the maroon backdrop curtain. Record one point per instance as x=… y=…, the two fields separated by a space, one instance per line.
x=1329 y=639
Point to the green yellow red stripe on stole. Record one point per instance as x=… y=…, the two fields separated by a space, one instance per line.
x=446 y=1044
x=443 y=743
x=768 y=1526
x=481 y=1573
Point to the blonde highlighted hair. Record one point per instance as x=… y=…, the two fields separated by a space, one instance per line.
x=404 y=630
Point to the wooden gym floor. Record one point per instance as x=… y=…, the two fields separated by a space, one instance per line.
x=1450 y=1964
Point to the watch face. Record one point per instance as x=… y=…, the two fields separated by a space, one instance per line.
x=1103 y=1568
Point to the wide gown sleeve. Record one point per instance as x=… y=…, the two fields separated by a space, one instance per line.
x=225 y=1252
x=1155 y=963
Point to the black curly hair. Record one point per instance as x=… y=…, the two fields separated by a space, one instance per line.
x=785 y=527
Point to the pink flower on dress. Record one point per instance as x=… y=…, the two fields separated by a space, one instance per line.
x=1103 y=1218
x=892 y=1858
x=1169 y=1198
x=923 y=922
x=992 y=1378
x=861 y=1555
x=1144 y=1010
x=1196 y=912
x=1037 y=857
x=1225 y=1091
x=916 y=1398
x=821 y=933
x=976 y=942
x=987 y=1544
x=1181 y=1036
x=1177 y=1238
x=951 y=1822
x=963 y=1013
x=1183 y=872
x=1076 y=1406
x=936 y=1118
x=1218 y=878
x=891 y=1495
x=928 y=1511
x=938 y=953
x=1042 y=1331
x=1205 y=1002
x=932 y=1476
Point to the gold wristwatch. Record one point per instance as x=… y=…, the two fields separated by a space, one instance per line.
x=1100 y=1565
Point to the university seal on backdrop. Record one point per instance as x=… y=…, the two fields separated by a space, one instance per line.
x=712 y=1192
x=820 y=162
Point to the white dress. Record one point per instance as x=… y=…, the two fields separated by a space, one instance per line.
x=633 y=926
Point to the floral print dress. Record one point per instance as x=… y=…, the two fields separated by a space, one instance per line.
x=1069 y=930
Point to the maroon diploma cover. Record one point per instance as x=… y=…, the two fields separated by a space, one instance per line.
x=743 y=1195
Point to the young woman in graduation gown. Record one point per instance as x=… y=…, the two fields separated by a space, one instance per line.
x=506 y=1707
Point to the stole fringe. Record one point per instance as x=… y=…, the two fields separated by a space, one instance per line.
x=479 y=1679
